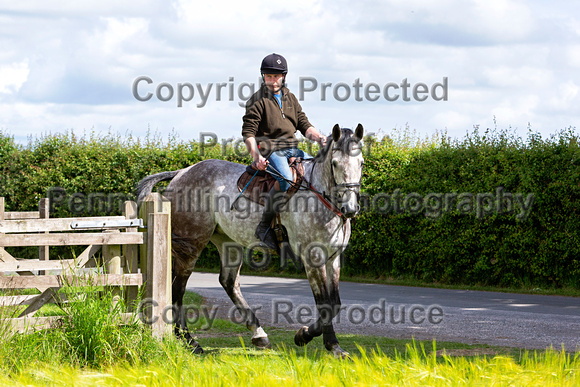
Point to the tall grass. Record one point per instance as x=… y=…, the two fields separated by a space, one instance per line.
x=92 y=346
x=282 y=367
x=90 y=334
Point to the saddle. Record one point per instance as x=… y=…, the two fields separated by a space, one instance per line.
x=255 y=184
x=260 y=184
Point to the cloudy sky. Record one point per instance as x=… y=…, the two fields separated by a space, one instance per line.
x=73 y=65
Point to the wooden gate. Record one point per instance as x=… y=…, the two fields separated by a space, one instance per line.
x=136 y=251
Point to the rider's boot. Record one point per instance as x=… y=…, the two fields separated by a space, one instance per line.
x=264 y=230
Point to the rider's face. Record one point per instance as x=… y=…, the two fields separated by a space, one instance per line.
x=274 y=82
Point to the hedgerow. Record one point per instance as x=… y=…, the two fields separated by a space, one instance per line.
x=493 y=247
x=491 y=208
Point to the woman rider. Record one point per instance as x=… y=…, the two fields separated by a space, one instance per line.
x=273 y=115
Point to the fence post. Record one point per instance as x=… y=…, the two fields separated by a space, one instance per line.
x=2 y=251
x=43 y=210
x=156 y=261
x=131 y=254
x=112 y=261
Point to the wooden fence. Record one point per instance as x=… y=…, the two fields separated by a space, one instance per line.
x=136 y=252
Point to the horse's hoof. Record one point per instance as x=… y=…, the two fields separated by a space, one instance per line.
x=198 y=350
x=262 y=342
x=339 y=353
x=190 y=342
x=301 y=338
x=194 y=346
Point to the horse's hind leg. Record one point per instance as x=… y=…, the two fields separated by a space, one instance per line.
x=184 y=256
x=181 y=329
x=231 y=262
x=324 y=283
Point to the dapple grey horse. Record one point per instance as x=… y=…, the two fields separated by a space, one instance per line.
x=202 y=196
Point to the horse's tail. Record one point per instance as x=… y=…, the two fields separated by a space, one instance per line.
x=145 y=186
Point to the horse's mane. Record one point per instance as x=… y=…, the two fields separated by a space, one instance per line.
x=342 y=143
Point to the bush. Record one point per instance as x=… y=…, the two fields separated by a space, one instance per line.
x=493 y=246
x=436 y=210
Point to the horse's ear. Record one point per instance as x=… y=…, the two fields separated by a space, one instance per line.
x=359 y=132
x=335 y=133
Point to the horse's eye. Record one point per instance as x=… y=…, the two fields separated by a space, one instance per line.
x=335 y=163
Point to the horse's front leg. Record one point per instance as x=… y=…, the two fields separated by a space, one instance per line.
x=324 y=283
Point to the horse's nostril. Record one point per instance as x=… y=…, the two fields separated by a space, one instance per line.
x=348 y=211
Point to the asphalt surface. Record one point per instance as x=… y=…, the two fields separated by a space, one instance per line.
x=472 y=317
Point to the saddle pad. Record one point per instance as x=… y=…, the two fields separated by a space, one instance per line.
x=263 y=182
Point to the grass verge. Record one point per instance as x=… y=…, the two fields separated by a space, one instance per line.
x=91 y=347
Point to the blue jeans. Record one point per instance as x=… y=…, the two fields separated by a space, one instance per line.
x=279 y=163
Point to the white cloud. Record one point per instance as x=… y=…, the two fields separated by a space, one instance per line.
x=449 y=22
x=13 y=76
x=525 y=77
x=566 y=97
x=70 y=64
x=572 y=53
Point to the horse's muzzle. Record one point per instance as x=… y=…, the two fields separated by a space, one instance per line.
x=350 y=211
x=349 y=205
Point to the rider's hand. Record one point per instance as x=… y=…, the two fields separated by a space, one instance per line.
x=322 y=140
x=261 y=163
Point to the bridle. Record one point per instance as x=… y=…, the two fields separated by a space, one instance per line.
x=346 y=187
x=326 y=199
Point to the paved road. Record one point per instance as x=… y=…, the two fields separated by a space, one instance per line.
x=505 y=319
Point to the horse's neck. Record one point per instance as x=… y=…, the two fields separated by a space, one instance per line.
x=318 y=175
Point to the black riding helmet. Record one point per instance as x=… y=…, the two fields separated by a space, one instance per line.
x=274 y=64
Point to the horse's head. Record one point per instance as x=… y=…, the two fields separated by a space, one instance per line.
x=346 y=164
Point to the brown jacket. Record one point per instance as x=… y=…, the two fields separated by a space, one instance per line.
x=274 y=128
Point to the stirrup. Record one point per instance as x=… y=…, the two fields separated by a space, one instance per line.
x=267 y=237
x=279 y=230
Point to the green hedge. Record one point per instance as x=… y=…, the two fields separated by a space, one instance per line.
x=436 y=210
x=492 y=246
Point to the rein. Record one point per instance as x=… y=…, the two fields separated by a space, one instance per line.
x=327 y=203
x=322 y=196
x=324 y=199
